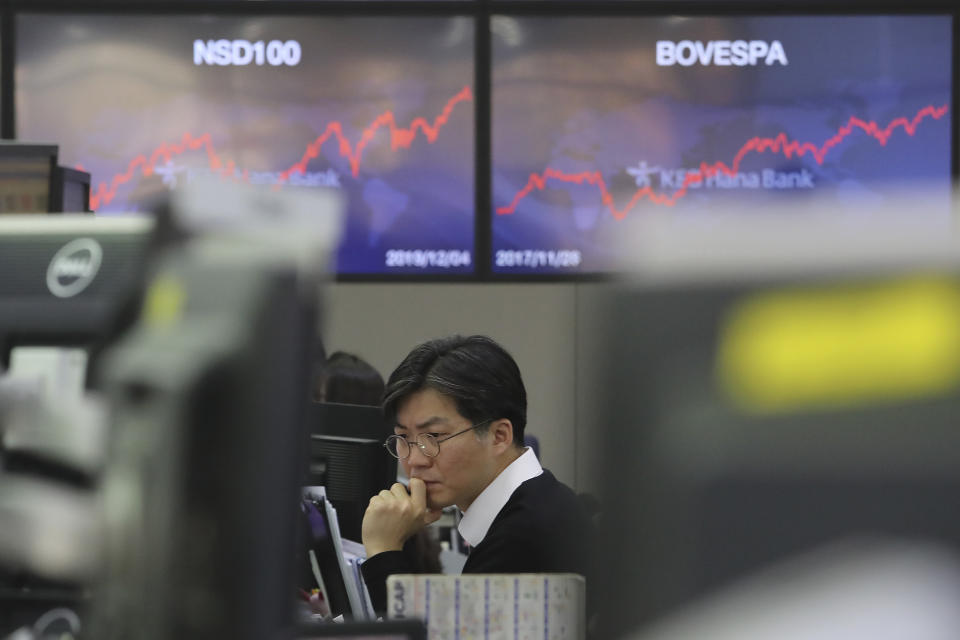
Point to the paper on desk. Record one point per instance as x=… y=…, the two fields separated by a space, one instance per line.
x=523 y=606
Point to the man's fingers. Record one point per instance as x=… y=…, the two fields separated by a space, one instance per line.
x=399 y=491
x=418 y=491
x=432 y=515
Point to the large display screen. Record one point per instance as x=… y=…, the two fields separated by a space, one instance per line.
x=598 y=120
x=381 y=108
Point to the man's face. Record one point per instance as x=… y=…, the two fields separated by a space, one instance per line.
x=465 y=465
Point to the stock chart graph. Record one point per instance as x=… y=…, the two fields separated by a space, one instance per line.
x=380 y=109
x=697 y=115
x=148 y=165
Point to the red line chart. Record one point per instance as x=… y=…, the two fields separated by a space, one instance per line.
x=400 y=138
x=780 y=143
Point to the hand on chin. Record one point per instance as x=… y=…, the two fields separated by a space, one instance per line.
x=395 y=515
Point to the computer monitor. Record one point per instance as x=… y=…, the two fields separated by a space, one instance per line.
x=68 y=285
x=32 y=182
x=753 y=418
x=347 y=457
x=321 y=558
x=70 y=280
x=639 y=115
x=238 y=97
x=70 y=191
x=201 y=498
x=27 y=172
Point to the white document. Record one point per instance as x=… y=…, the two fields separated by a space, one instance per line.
x=353 y=595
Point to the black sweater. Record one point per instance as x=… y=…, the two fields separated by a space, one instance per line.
x=542 y=529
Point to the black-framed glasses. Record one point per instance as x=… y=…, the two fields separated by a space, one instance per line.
x=399 y=447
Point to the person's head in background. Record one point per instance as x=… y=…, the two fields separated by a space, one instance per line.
x=348 y=379
x=444 y=388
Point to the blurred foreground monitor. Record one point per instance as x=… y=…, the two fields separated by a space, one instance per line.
x=69 y=286
x=160 y=504
x=70 y=280
x=773 y=387
x=201 y=492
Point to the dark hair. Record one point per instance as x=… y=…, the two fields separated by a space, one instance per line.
x=481 y=378
x=348 y=379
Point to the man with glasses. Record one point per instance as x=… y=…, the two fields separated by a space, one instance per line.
x=458 y=407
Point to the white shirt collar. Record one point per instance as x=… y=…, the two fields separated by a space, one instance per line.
x=478 y=518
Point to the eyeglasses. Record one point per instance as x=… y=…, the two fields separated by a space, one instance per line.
x=399 y=447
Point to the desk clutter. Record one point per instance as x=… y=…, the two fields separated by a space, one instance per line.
x=523 y=606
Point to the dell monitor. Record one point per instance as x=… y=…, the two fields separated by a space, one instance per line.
x=69 y=280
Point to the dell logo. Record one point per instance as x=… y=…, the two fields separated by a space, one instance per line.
x=74 y=267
